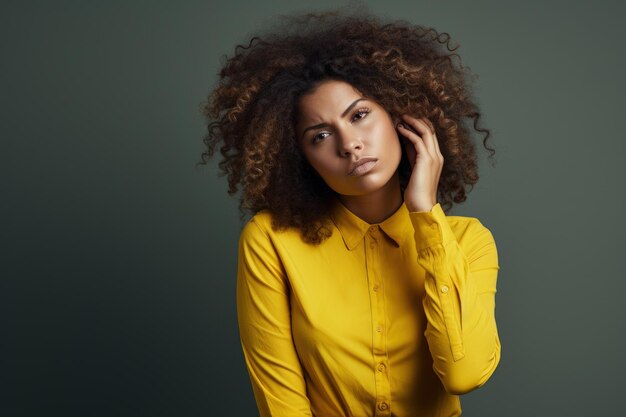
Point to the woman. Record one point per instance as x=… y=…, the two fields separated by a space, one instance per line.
x=356 y=294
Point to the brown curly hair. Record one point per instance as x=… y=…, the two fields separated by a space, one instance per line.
x=401 y=66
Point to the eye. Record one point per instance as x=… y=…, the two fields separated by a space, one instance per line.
x=362 y=112
x=314 y=140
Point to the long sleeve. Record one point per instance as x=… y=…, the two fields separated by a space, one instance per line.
x=264 y=319
x=459 y=299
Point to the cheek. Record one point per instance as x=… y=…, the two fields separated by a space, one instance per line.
x=391 y=144
x=392 y=149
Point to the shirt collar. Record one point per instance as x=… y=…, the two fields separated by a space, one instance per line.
x=353 y=228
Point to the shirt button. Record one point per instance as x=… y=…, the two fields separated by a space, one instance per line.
x=383 y=406
x=373 y=228
x=433 y=226
x=444 y=289
x=372 y=245
x=381 y=367
x=379 y=328
x=375 y=287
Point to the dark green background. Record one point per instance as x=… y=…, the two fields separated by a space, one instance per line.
x=119 y=256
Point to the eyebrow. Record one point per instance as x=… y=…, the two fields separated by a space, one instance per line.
x=342 y=115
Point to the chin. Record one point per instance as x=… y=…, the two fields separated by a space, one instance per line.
x=363 y=184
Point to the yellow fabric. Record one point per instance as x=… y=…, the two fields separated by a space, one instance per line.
x=392 y=319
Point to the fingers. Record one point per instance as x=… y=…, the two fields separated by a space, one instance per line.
x=427 y=136
x=417 y=141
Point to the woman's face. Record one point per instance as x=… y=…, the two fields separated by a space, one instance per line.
x=337 y=126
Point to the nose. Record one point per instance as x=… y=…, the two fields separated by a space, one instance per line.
x=348 y=142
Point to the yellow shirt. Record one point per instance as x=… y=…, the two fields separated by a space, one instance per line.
x=390 y=319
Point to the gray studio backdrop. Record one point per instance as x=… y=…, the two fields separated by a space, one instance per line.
x=119 y=256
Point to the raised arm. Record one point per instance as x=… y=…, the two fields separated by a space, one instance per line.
x=264 y=319
x=459 y=300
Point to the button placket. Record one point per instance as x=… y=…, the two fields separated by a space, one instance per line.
x=379 y=367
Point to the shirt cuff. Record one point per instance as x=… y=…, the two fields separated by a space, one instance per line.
x=431 y=228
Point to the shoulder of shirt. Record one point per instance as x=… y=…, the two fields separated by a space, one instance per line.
x=255 y=232
x=463 y=220
x=469 y=227
x=260 y=229
x=473 y=236
x=263 y=219
x=261 y=222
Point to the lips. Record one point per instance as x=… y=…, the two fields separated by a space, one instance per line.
x=360 y=162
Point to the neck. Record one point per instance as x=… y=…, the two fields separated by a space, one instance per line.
x=377 y=206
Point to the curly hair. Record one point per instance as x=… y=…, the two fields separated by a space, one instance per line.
x=401 y=66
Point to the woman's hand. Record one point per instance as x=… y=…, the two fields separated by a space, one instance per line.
x=426 y=164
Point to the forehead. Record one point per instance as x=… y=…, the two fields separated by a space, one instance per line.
x=328 y=98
